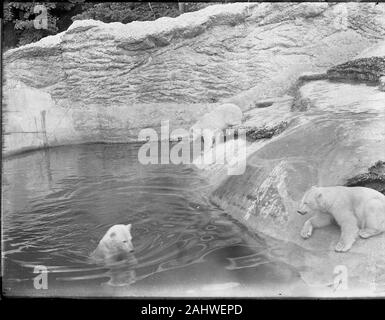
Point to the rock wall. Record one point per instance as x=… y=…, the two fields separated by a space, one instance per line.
x=104 y=82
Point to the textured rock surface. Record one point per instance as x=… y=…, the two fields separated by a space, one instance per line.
x=363 y=69
x=103 y=82
x=267 y=121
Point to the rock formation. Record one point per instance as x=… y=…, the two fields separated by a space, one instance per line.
x=105 y=82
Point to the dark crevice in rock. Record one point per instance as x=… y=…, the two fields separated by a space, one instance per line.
x=263 y=104
x=256 y=133
x=374 y=178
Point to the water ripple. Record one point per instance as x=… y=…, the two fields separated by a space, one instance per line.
x=59 y=203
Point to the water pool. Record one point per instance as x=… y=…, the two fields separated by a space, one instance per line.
x=58 y=203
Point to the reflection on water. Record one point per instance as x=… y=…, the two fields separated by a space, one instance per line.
x=58 y=203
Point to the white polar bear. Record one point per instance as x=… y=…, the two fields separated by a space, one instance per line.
x=115 y=245
x=357 y=210
x=222 y=117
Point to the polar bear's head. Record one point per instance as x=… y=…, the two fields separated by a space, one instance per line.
x=311 y=201
x=115 y=245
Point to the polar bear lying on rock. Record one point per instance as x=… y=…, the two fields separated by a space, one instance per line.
x=221 y=118
x=115 y=246
x=357 y=210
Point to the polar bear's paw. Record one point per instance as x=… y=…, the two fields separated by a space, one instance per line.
x=367 y=233
x=307 y=230
x=342 y=246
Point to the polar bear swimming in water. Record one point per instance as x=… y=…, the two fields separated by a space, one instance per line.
x=358 y=211
x=115 y=246
x=221 y=118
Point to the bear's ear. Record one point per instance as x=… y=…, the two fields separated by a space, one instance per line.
x=128 y=226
